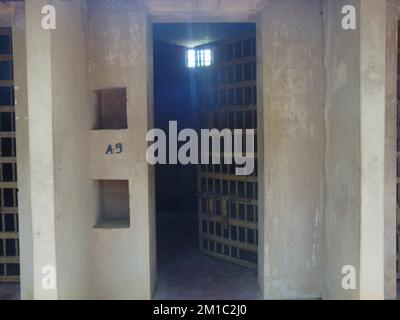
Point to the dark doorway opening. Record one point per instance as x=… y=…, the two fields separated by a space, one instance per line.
x=195 y=260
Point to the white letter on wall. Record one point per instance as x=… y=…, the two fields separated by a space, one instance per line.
x=349 y=20
x=49 y=277
x=49 y=20
x=349 y=280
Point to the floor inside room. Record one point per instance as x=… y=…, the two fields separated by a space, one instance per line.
x=185 y=273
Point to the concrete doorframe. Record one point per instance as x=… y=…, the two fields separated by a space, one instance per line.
x=151 y=20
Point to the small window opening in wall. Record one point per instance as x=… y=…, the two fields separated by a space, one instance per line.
x=198 y=58
x=113 y=204
x=111 y=109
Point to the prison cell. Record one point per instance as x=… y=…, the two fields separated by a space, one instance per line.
x=228 y=203
x=9 y=245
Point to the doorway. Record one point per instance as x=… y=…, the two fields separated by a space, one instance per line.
x=206 y=215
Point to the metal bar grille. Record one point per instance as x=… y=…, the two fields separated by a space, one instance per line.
x=228 y=203
x=9 y=245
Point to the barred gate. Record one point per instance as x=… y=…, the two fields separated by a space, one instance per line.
x=228 y=203
x=9 y=245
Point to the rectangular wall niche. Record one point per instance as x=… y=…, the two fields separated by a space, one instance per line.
x=111 y=109
x=113 y=204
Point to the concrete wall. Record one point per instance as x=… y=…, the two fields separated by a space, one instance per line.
x=358 y=214
x=23 y=163
x=291 y=41
x=119 y=55
x=293 y=202
x=392 y=20
x=203 y=11
x=64 y=196
x=342 y=156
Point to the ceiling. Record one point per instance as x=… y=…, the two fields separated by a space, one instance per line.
x=195 y=34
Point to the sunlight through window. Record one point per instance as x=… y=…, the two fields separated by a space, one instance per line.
x=198 y=58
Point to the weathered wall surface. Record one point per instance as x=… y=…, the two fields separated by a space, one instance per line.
x=356 y=122
x=23 y=164
x=342 y=156
x=203 y=10
x=119 y=55
x=392 y=18
x=290 y=32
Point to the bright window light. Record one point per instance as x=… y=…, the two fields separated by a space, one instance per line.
x=207 y=57
x=199 y=58
x=191 y=58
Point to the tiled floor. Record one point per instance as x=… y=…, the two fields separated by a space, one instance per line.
x=185 y=273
